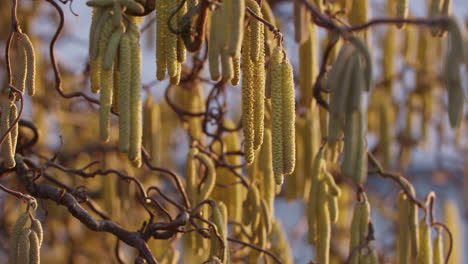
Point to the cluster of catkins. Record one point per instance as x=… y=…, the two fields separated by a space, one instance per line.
x=22 y=77
x=240 y=51
x=115 y=67
x=26 y=241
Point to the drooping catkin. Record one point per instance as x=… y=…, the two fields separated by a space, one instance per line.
x=116 y=86
x=151 y=127
x=28 y=47
x=452 y=219
x=247 y=98
x=359 y=12
x=308 y=66
x=312 y=137
x=401 y=11
x=259 y=95
x=220 y=221
x=20 y=224
x=403 y=240
x=213 y=45
x=413 y=227
x=136 y=107
x=15 y=129
x=105 y=103
x=236 y=26
x=237 y=70
x=181 y=51
x=388 y=60
x=265 y=165
x=227 y=66
x=191 y=176
x=251 y=215
x=323 y=225
x=301 y=22
x=125 y=68
x=102 y=38
x=7 y=145
x=162 y=33
x=276 y=73
x=19 y=67
x=439 y=247
x=24 y=246
x=112 y=48
x=454 y=59
x=35 y=249
x=256 y=28
x=288 y=118
x=425 y=246
x=210 y=179
x=37 y=228
x=313 y=203
x=171 y=43
x=355 y=233
x=96 y=15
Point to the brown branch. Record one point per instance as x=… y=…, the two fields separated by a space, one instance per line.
x=238 y=241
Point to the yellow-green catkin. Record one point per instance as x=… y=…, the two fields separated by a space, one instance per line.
x=425 y=246
x=19 y=57
x=232 y=195
x=236 y=26
x=259 y=92
x=404 y=239
x=439 y=247
x=247 y=98
x=312 y=138
x=20 y=224
x=136 y=105
x=171 y=43
x=452 y=220
x=308 y=66
x=454 y=59
x=35 y=249
x=24 y=246
x=151 y=127
x=125 y=68
x=256 y=28
x=210 y=180
x=8 y=153
x=410 y=44
x=359 y=228
x=30 y=63
x=355 y=233
x=288 y=118
x=267 y=188
x=213 y=45
x=162 y=33
x=301 y=22
x=15 y=130
x=294 y=183
x=323 y=225
x=402 y=10
x=313 y=203
x=388 y=59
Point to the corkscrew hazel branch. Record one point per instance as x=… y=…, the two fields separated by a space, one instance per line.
x=397 y=178
x=17 y=194
x=238 y=241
